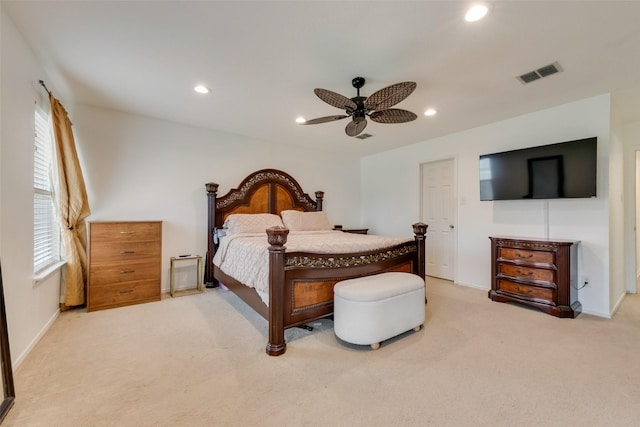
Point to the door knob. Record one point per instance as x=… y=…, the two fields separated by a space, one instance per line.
x=451 y=226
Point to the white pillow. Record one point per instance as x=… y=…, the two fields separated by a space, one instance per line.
x=305 y=221
x=251 y=223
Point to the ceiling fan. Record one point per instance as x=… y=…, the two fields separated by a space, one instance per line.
x=376 y=107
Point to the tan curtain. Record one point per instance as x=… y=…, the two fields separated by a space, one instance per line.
x=72 y=207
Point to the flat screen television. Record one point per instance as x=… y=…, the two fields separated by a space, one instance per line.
x=563 y=170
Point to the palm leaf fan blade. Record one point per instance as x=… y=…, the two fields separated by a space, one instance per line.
x=335 y=99
x=389 y=96
x=323 y=120
x=354 y=128
x=392 y=115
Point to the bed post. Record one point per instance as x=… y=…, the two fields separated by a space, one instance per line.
x=420 y=231
x=212 y=191
x=319 y=197
x=277 y=237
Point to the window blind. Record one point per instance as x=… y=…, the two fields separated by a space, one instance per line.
x=46 y=232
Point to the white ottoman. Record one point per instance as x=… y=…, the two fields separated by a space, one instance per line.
x=371 y=309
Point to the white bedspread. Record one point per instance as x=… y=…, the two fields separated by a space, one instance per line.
x=245 y=256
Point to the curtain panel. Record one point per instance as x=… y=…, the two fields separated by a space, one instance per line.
x=72 y=207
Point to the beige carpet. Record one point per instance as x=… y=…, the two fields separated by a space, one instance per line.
x=199 y=360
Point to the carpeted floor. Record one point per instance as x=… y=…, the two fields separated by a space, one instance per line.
x=199 y=360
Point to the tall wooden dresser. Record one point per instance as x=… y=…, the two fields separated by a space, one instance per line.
x=124 y=260
x=540 y=273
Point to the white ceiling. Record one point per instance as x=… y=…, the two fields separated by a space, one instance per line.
x=262 y=60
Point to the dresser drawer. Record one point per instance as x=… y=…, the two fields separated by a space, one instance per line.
x=108 y=274
x=526 y=255
x=124 y=293
x=528 y=291
x=119 y=252
x=527 y=272
x=125 y=231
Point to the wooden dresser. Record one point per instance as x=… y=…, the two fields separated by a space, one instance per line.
x=538 y=273
x=124 y=260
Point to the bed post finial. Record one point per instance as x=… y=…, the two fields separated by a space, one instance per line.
x=212 y=187
x=420 y=231
x=277 y=237
x=319 y=197
x=212 y=192
x=420 y=228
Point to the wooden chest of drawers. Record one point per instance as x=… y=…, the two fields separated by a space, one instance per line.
x=124 y=260
x=537 y=273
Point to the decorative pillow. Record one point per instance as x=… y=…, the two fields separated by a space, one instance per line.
x=251 y=223
x=305 y=221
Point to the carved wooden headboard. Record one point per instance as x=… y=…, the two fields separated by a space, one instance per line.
x=264 y=191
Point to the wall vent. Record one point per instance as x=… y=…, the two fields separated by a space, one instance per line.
x=545 y=71
x=364 y=136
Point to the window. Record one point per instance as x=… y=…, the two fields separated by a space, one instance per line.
x=46 y=232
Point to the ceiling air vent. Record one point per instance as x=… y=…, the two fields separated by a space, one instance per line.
x=364 y=136
x=545 y=71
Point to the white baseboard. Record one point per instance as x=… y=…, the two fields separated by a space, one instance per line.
x=35 y=341
x=471 y=285
x=618 y=303
x=597 y=313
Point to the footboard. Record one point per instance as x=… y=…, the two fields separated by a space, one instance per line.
x=301 y=284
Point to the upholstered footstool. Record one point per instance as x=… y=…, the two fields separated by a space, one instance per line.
x=371 y=309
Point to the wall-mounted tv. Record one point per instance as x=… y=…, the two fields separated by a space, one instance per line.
x=563 y=170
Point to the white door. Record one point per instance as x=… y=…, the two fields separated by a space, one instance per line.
x=438 y=206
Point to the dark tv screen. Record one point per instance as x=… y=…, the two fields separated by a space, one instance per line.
x=563 y=170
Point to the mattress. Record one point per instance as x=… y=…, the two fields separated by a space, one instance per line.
x=245 y=256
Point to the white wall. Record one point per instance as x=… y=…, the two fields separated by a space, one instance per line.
x=391 y=194
x=138 y=168
x=31 y=308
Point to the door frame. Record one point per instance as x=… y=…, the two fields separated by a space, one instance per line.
x=631 y=191
x=421 y=164
x=632 y=282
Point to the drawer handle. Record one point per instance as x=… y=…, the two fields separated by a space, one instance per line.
x=518 y=271
x=128 y=291
x=127 y=252
x=126 y=232
x=519 y=255
x=126 y=271
x=519 y=289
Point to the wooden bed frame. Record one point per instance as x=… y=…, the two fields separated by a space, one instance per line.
x=300 y=284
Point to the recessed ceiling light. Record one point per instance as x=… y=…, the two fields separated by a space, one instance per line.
x=476 y=12
x=430 y=112
x=202 y=89
x=301 y=120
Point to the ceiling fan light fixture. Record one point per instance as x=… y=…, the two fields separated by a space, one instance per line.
x=430 y=112
x=476 y=12
x=300 y=120
x=377 y=106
